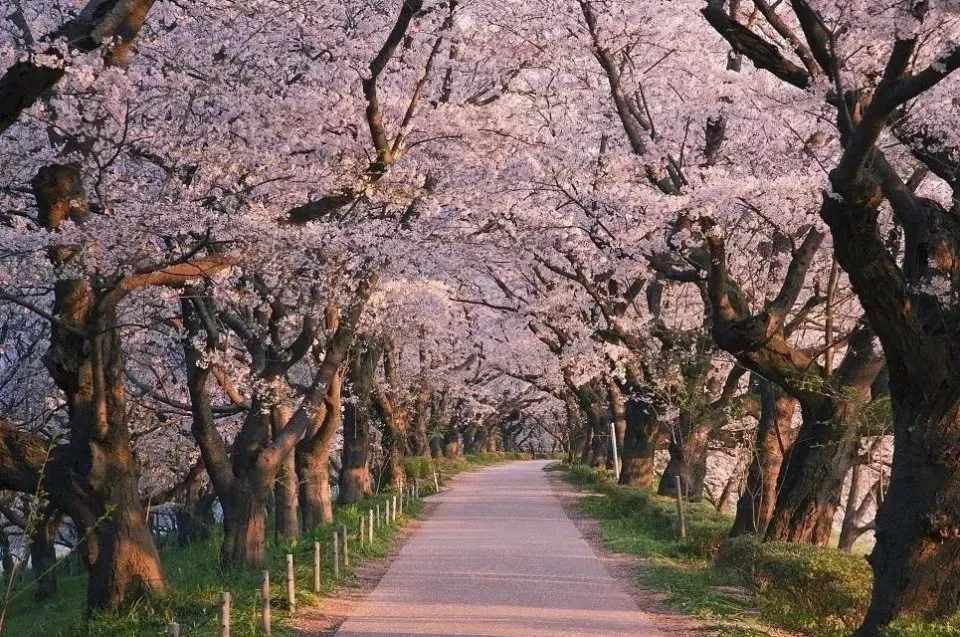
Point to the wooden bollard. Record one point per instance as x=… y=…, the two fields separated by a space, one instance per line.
x=336 y=556
x=683 y=522
x=316 y=567
x=436 y=482
x=363 y=537
x=346 y=547
x=265 y=620
x=291 y=585
x=377 y=518
x=224 y=615
x=393 y=509
x=386 y=513
x=370 y=527
x=173 y=629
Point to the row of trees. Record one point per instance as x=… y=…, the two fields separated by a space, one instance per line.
x=245 y=232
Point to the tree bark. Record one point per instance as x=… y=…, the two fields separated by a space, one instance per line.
x=773 y=437
x=419 y=437
x=856 y=511
x=451 y=442
x=43 y=557
x=313 y=461
x=688 y=458
x=195 y=519
x=245 y=522
x=640 y=439
x=85 y=360
x=286 y=522
x=355 y=478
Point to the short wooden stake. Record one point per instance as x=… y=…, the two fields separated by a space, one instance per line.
x=265 y=620
x=316 y=567
x=173 y=629
x=377 y=518
x=370 y=527
x=363 y=533
x=393 y=509
x=683 y=522
x=436 y=482
x=336 y=556
x=224 y=615
x=346 y=547
x=291 y=585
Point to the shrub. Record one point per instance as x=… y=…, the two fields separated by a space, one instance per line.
x=804 y=587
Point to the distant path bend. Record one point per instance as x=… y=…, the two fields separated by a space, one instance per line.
x=498 y=557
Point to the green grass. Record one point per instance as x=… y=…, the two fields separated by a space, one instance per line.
x=740 y=587
x=197 y=581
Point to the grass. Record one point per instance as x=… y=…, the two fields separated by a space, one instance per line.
x=740 y=587
x=198 y=581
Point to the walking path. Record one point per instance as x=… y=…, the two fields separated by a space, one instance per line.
x=498 y=558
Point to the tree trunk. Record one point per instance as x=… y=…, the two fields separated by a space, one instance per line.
x=436 y=447
x=601 y=437
x=286 y=524
x=313 y=455
x=419 y=437
x=85 y=360
x=244 y=524
x=355 y=478
x=916 y=560
x=856 y=511
x=774 y=436
x=491 y=441
x=617 y=406
x=451 y=442
x=688 y=459
x=43 y=557
x=195 y=519
x=640 y=440
x=811 y=482
x=469 y=436
x=286 y=521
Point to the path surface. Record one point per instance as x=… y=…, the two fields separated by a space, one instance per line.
x=498 y=558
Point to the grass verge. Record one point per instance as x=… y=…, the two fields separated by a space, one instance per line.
x=739 y=587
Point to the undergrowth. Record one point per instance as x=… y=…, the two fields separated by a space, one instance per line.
x=741 y=586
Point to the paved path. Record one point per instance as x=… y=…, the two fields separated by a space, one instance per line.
x=498 y=558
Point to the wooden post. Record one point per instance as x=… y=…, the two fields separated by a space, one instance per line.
x=370 y=527
x=346 y=547
x=224 y=615
x=393 y=509
x=173 y=629
x=265 y=620
x=336 y=556
x=436 y=482
x=363 y=536
x=291 y=585
x=316 y=567
x=683 y=522
x=377 y=518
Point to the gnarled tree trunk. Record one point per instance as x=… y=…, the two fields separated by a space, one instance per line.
x=313 y=460
x=773 y=437
x=85 y=359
